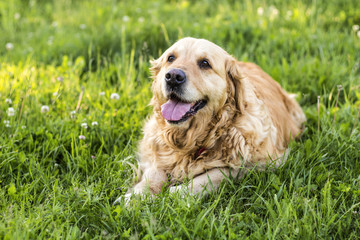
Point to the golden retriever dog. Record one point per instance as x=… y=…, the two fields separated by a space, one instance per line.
x=212 y=117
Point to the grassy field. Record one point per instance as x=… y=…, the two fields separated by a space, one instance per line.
x=67 y=144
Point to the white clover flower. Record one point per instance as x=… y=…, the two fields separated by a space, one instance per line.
x=6 y=122
x=8 y=100
x=355 y=27
x=82 y=26
x=50 y=40
x=60 y=79
x=11 y=111
x=44 y=109
x=84 y=125
x=7 y=125
x=82 y=137
x=141 y=19
x=94 y=123
x=55 y=94
x=9 y=46
x=274 y=11
x=73 y=114
x=102 y=94
x=115 y=96
x=54 y=24
x=358 y=34
x=260 y=11
x=17 y=16
x=23 y=127
x=125 y=18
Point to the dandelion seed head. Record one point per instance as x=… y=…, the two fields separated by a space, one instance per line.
x=50 y=40
x=11 y=111
x=358 y=34
x=73 y=114
x=115 y=96
x=94 y=123
x=125 y=18
x=17 y=16
x=8 y=100
x=9 y=46
x=141 y=19
x=44 y=109
x=289 y=14
x=84 y=125
x=6 y=122
x=355 y=28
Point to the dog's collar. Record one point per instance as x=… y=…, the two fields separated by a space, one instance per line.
x=199 y=152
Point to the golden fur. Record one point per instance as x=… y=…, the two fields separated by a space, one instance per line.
x=248 y=119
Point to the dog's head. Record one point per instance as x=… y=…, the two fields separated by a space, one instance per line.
x=193 y=79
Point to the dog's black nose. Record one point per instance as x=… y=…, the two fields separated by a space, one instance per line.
x=175 y=77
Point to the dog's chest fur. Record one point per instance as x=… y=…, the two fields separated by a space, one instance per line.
x=221 y=145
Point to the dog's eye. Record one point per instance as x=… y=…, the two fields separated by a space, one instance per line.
x=171 y=58
x=204 y=64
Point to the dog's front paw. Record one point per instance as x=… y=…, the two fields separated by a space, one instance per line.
x=126 y=199
x=181 y=190
x=177 y=188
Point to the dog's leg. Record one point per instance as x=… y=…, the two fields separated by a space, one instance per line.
x=151 y=182
x=207 y=181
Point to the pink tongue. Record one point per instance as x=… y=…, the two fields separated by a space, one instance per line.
x=174 y=110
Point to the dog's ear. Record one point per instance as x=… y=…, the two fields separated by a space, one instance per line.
x=235 y=80
x=155 y=66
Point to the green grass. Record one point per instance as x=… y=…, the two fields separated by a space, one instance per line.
x=54 y=185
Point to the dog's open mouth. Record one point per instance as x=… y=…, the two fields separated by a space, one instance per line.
x=176 y=110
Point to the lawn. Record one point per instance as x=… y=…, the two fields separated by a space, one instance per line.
x=74 y=93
